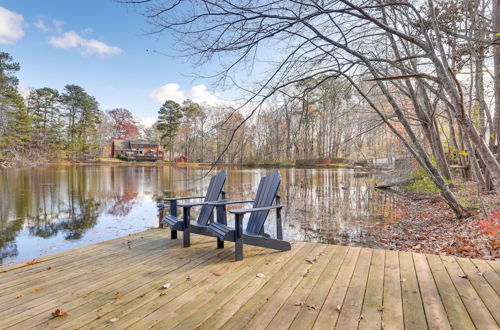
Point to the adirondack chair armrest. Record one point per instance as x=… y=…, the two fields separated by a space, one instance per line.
x=223 y=202
x=257 y=209
x=193 y=204
x=181 y=198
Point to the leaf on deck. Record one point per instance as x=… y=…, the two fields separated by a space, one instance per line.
x=58 y=313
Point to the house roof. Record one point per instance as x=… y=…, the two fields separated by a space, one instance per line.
x=121 y=144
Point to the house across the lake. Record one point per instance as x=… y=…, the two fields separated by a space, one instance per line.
x=138 y=150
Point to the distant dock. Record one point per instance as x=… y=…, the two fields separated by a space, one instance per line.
x=146 y=280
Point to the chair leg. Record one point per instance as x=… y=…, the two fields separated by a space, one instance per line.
x=238 y=249
x=220 y=243
x=186 y=238
x=173 y=234
x=238 y=237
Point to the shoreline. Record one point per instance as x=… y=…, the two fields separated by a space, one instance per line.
x=193 y=164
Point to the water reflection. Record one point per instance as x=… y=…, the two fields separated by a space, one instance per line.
x=46 y=210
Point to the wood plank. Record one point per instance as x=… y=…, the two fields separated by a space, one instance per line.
x=88 y=306
x=83 y=274
x=183 y=280
x=298 y=299
x=307 y=316
x=278 y=300
x=329 y=313
x=477 y=310
x=495 y=265
x=413 y=309
x=392 y=315
x=455 y=309
x=488 y=295
x=488 y=273
x=351 y=309
x=68 y=255
x=374 y=293
x=434 y=309
x=373 y=288
x=71 y=274
x=230 y=294
x=174 y=309
x=57 y=297
x=248 y=310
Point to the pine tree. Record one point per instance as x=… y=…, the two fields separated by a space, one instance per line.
x=169 y=119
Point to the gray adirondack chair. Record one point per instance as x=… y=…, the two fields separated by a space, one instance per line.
x=267 y=193
x=199 y=226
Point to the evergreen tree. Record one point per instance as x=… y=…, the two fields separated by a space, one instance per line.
x=19 y=125
x=9 y=97
x=44 y=107
x=169 y=119
x=83 y=117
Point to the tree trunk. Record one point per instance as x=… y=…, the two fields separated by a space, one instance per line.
x=496 y=51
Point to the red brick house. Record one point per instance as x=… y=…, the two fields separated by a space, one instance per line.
x=137 y=150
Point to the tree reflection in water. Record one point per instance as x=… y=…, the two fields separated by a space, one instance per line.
x=43 y=210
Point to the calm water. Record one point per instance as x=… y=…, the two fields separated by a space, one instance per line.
x=47 y=210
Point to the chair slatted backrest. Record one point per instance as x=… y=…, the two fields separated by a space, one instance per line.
x=266 y=193
x=213 y=192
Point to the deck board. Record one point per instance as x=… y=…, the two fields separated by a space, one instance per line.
x=109 y=285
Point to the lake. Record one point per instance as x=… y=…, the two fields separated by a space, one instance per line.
x=55 y=208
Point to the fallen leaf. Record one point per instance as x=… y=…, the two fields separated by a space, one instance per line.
x=19 y=296
x=339 y=308
x=217 y=274
x=114 y=319
x=166 y=285
x=141 y=296
x=36 y=290
x=58 y=313
x=31 y=262
x=463 y=275
x=49 y=268
x=117 y=295
x=188 y=278
x=260 y=275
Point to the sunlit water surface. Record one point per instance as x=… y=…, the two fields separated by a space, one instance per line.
x=51 y=209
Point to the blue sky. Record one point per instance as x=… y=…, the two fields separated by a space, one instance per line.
x=99 y=45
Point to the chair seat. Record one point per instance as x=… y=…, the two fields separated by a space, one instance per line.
x=173 y=222
x=226 y=233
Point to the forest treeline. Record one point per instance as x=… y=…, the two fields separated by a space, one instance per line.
x=326 y=121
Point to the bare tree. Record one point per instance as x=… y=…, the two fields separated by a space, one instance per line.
x=399 y=45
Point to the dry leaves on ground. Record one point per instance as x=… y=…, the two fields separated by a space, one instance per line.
x=58 y=313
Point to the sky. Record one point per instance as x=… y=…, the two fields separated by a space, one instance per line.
x=101 y=46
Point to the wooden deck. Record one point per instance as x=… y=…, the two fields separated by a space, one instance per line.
x=118 y=284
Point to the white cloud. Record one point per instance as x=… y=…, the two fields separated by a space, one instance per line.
x=169 y=92
x=148 y=121
x=11 y=26
x=72 y=39
x=40 y=25
x=198 y=93
x=58 y=25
